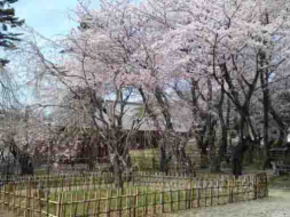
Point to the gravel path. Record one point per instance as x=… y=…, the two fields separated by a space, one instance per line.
x=277 y=205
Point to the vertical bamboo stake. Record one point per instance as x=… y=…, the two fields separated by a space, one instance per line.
x=86 y=203
x=109 y=203
x=162 y=201
x=129 y=201
x=211 y=195
x=154 y=202
x=119 y=202
x=198 y=197
x=193 y=196
x=14 y=205
x=266 y=185
x=230 y=195
x=58 y=205
x=28 y=194
x=32 y=205
x=255 y=188
x=94 y=205
x=134 y=204
x=98 y=205
x=178 y=199
x=71 y=204
x=218 y=192
x=146 y=201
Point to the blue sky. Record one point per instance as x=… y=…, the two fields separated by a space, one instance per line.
x=48 y=17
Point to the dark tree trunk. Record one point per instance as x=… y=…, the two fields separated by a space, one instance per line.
x=26 y=164
x=24 y=160
x=264 y=79
x=224 y=135
x=118 y=172
x=240 y=149
x=164 y=159
x=279 y=121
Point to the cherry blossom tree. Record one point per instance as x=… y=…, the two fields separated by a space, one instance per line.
x=232 y=42
x=95 y=63
x=169 y=52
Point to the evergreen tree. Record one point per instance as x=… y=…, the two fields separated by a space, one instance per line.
x=8 y=20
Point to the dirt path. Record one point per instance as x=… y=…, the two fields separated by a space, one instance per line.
x=277 y=205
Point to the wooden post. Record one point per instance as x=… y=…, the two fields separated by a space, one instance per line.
x=178 y=200
x=230 y=191
x=119 y=202
x=211 y=195
x=109 y=202
x=154 y=202
x=28 y=196
x=198 y=197
x=58 y=207
x=266 y=185
x=171 y=201
x=146 y=201
x=193 y=196
x=86 y=203
x=162 y=201
x=218 y=192
x=255 y=187
x=134 y=204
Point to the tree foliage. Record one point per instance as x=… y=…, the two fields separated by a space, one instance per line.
x=8 y=21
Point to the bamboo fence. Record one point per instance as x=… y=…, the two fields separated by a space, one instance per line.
x=146 y=196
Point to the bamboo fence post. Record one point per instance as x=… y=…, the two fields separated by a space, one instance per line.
x=255 y=187
x=98 y=205
x=32 y=205
x=70 y=203
x=86 y=204
x=154 y=202
x=4 y=195
x=119 y=202
x=193 y=196
x=109 y=202
x=205 y=192
x=230 y=191
x=171 y=201
x=211 y=195
x=129 y=201
x=146 y=201
x=9 y=196
x=134 y=204
x=162 y=201
x=14 y=197
x=218 y=192
x=58 y=207
x=198 y=196
x=266 y=185
x=178 y=199
x=28 y=195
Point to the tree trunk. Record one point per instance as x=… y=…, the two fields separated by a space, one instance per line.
x=264 y=79
x=222 y=150
x=279 y=121
x=165 y=158
x=26 y=164
x=239 y=150
x=118 y=172
x=24 y=160
x=120 y=161
x=224 y=135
